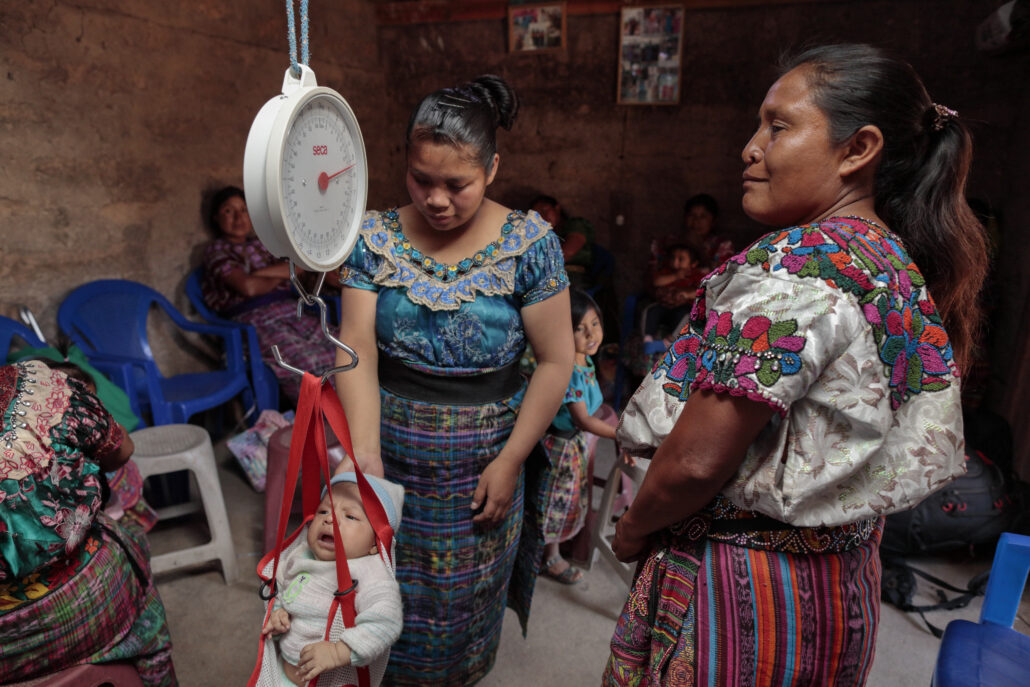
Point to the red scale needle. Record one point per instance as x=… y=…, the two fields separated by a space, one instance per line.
x=324 y=179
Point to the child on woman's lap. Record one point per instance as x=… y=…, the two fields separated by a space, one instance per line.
x=306 y=581
x=675 y=288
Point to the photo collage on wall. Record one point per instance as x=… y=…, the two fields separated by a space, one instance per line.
x=537 y=27
x=650 y=50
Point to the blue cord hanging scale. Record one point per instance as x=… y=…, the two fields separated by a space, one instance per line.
x=292 y=36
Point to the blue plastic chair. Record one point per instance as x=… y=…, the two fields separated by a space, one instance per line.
x=262 y=378
x=602 y=268
x=107 y=319
x=12 y=330
x=629 y=328
x=991 y=653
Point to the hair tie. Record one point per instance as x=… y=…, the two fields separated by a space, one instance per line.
x=941 y=116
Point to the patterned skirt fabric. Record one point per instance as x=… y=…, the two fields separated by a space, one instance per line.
x=108 y=611
x=705 y=612
x=300 y=341
x=126 y=504
x=566 y=492
x=454 y=577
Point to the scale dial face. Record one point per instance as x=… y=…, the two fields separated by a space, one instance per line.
x=305 y=175
x=323 y=180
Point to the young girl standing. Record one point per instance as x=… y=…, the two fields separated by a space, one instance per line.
x=566 y=492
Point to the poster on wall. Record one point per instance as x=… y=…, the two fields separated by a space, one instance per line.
x=650 y=51
x=536 y=27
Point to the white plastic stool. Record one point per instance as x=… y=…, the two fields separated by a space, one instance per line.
x=604 y=529
x=167 y=448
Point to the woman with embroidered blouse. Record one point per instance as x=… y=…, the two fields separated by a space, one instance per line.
x=439 y=299
x=815 y=390
x=75 y=585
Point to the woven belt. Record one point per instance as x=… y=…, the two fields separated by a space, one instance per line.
x=468 y=390
x=562 y=433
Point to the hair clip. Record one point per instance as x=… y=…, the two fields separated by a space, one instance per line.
x=452 y=101
x=942 y=115
x=458 y=98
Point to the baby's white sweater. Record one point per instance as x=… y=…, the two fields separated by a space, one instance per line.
x=306 y=591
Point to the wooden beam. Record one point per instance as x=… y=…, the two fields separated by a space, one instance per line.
x=432 y=11
x=400 y=12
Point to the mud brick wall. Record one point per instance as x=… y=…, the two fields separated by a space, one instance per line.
x=117 y=115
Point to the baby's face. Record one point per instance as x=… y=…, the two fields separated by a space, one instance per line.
x=355 y=529
x=682 y=260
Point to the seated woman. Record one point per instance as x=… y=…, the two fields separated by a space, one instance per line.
x=577 y=237
x=126 y=503
x=700 y=215
x=75 y=586
x=122 y=487
x=245 y=283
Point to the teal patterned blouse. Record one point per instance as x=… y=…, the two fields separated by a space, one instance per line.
x=455 y=319
x=54 y=430
x=582 y=387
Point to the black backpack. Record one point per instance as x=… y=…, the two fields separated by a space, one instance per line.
x=967 y=515
x=971 y=512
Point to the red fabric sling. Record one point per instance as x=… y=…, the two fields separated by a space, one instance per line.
x=308 y=454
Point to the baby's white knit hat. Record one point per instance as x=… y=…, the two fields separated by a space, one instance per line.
x=390 y=495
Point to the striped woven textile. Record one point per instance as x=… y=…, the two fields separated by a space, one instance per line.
x=707 y=613
x=126 y=504
x=565 y=492
x=454 y=577
x=299 y=339
x=108 y=611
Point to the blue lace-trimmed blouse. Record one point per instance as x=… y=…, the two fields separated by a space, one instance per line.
x=455 y=319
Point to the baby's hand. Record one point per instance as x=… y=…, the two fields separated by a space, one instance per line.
x=278 y=623
x=319 y=657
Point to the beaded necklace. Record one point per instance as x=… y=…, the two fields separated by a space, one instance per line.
x=867 y=221
x=402 y=248
x=883 y=229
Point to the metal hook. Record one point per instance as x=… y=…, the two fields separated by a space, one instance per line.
x=282 y=363
x=306 y=298
x=323 y=309
x=315 y=299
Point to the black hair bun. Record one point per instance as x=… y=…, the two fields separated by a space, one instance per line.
x=501 y=97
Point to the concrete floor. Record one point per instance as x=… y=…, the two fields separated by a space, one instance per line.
x=215 y=627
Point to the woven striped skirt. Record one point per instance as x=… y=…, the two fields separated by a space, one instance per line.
x=718 y=614
x=456 y=579
x=566 y=492
x=108 y=611
x=299 y=339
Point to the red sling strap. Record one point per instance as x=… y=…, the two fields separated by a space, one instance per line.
x=308 y=452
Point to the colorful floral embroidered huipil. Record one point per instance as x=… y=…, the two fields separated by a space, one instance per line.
x=832 y=326
x=455 y=319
